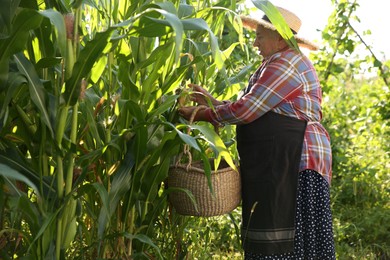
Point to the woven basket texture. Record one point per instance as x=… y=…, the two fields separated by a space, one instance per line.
x=226 y=184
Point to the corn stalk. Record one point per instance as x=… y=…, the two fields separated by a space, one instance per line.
x=98 y=127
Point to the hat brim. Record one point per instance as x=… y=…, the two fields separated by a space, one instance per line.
x=252 y=23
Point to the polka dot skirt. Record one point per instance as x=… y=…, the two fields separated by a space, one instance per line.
x=313 y=221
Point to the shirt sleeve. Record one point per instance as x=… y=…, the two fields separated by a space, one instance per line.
x=276 y=82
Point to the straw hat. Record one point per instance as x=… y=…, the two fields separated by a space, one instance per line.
x=292 y=21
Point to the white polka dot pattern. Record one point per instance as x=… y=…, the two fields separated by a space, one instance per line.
x=313 y=222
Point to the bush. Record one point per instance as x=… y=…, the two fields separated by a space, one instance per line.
x=360 y=185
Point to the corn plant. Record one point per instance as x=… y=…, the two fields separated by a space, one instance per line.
x=88 y=122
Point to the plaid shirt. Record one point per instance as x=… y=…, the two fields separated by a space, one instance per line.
x=285 y=83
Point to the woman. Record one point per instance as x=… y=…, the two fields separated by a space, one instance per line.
x=285 y=153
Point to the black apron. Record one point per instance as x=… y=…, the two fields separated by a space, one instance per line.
x=270 y=152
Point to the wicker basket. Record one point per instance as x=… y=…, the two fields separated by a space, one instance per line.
x=226 y=184
x=225 y=181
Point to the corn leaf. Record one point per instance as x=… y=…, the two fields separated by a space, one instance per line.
x=12 y=159
x=200 y=24
x=170 y=20
x=216 y=144
x=164 y=106
x=191 y=141
x=105 y=209
x=25 y=21
x=15 y=81
x=144 y=239
x=58 y=21
x=120 y=185
x=36 y=88
x=11 y=174
x=83 y=66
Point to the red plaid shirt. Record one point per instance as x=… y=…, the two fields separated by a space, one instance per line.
x=285 y=83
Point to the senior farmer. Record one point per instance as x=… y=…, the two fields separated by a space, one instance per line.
x=285 y=153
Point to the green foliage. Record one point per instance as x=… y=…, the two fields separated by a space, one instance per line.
x=356 y=115
x=360 y=185
x=202 y=238
x=89 y=122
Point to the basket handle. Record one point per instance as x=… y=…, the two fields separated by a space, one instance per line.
x=186 y=149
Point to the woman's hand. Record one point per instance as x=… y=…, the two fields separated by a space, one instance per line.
x=201 y=96
x=187 y=112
